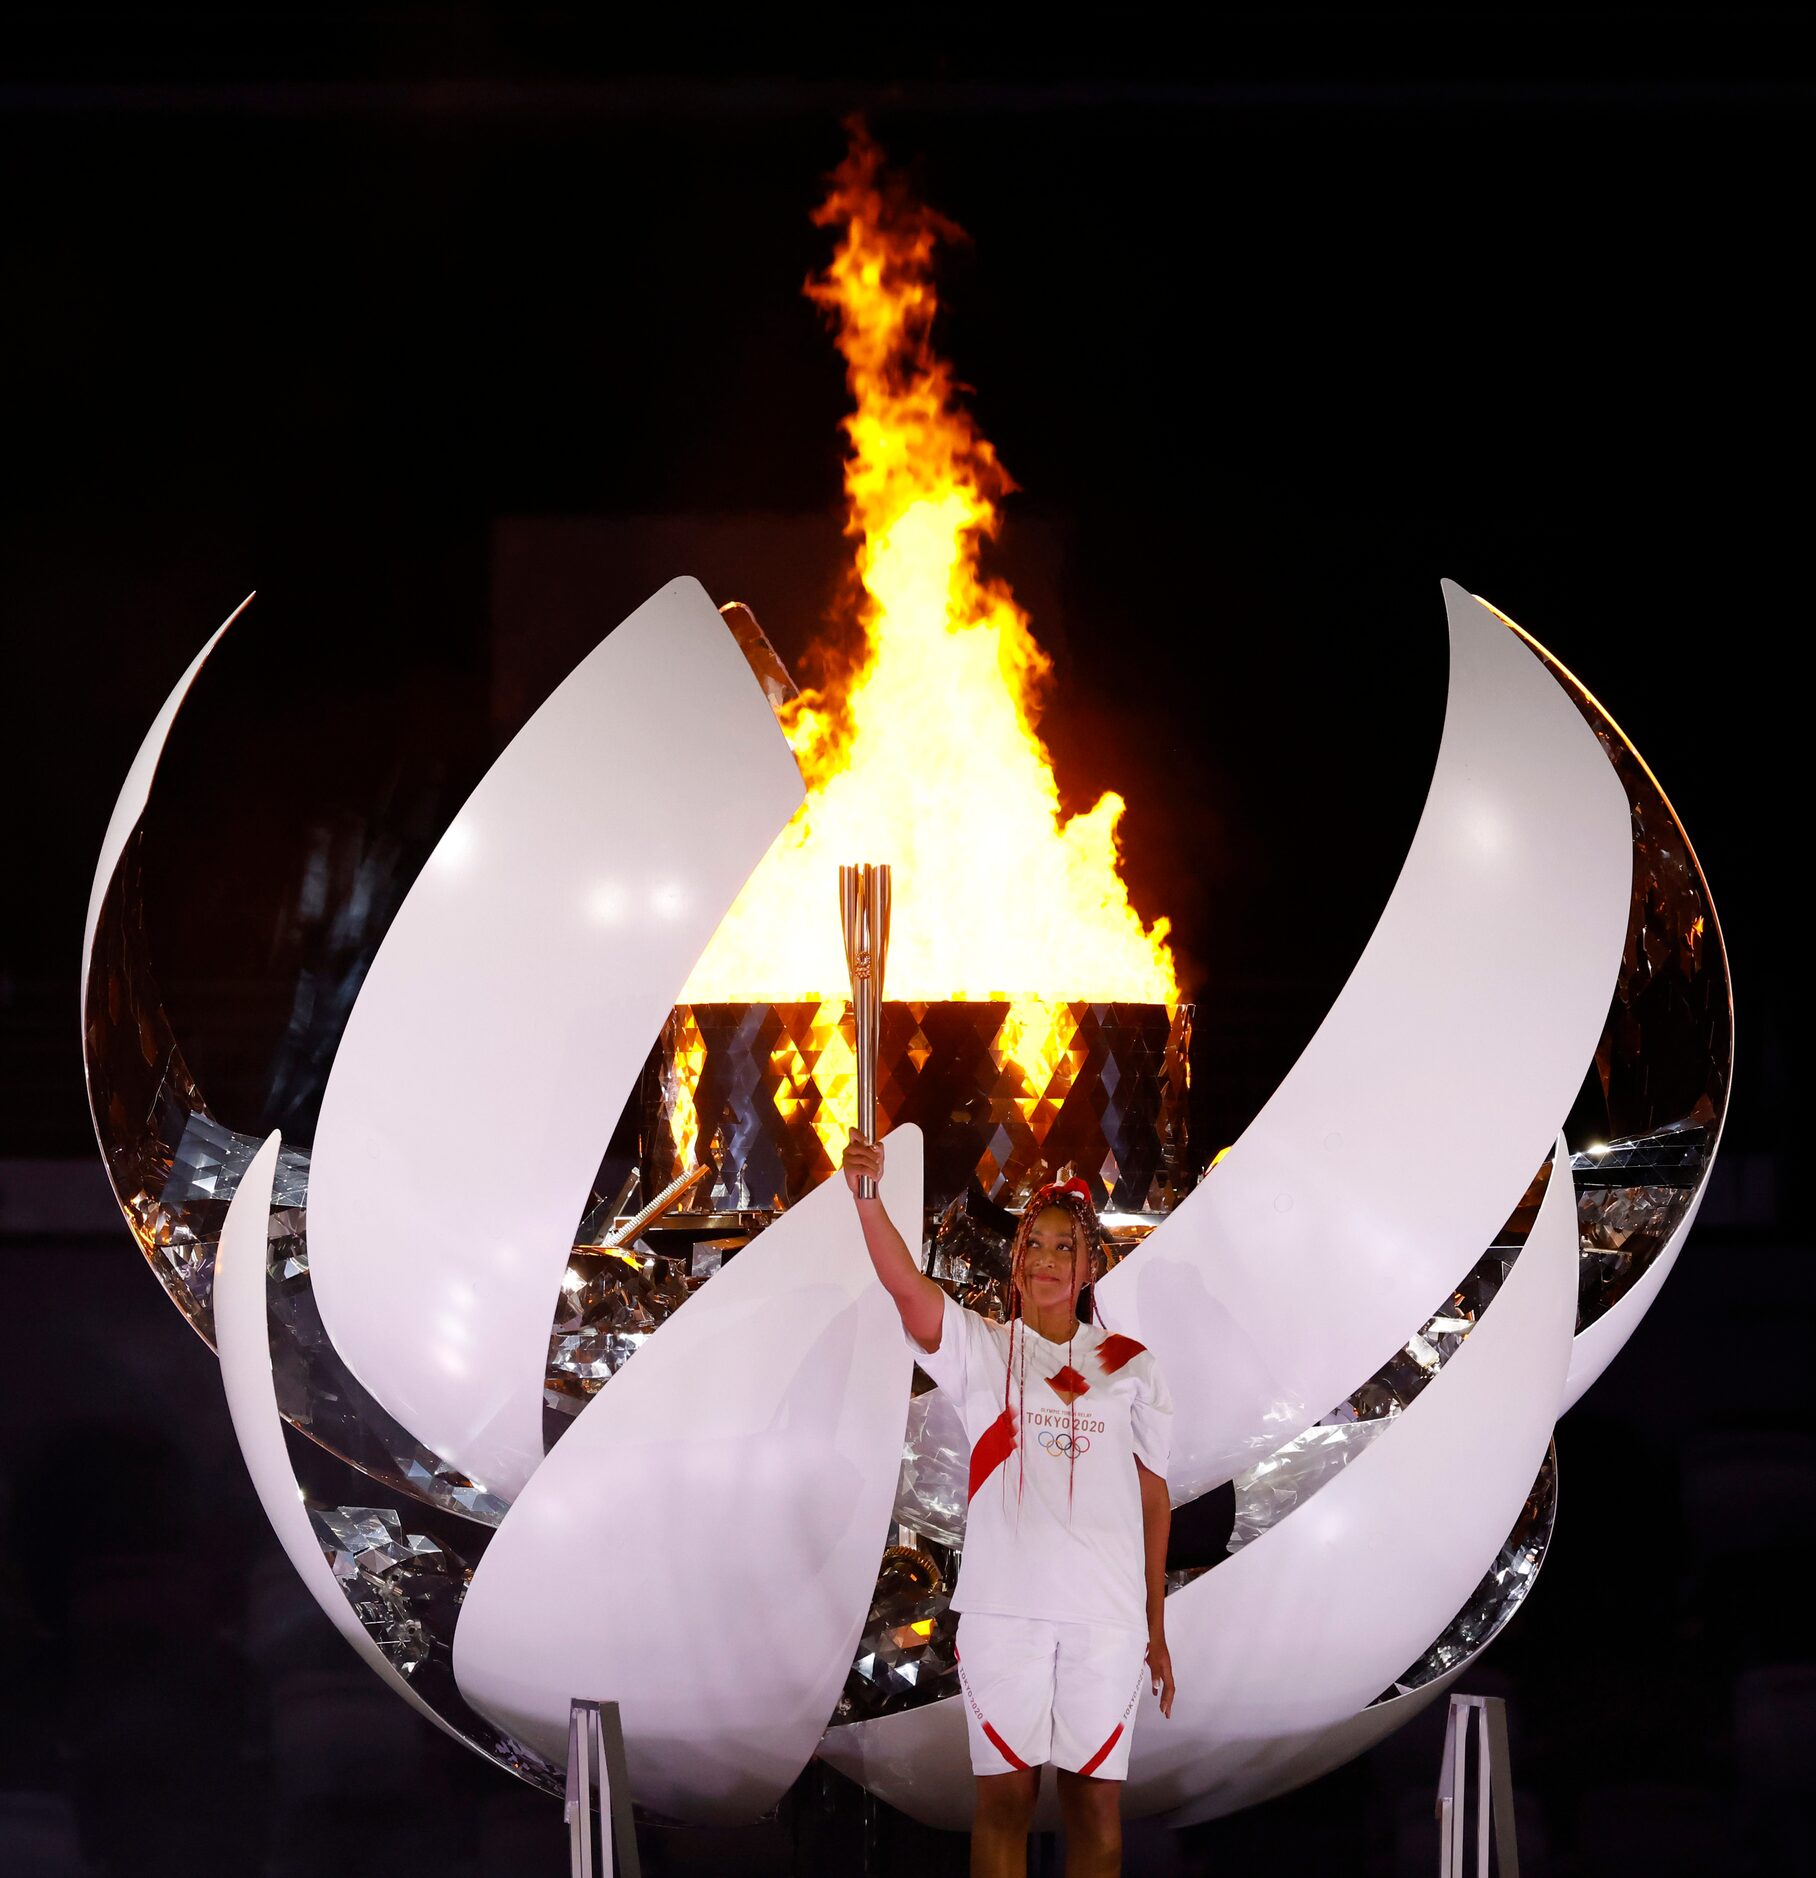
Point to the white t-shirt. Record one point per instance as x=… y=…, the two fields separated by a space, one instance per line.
x=1053 y=1532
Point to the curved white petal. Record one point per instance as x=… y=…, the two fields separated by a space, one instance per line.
x=135 y=791
x=243 y=1341
x=509 y=1010
x=701 y=1546
x=1657 y=827
x=919 y=1762
x=1295 y=1762
x=1402 y=1138
x=1306 y=1625
x=1279 y=1650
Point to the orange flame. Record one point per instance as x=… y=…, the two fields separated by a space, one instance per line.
x=927 y=756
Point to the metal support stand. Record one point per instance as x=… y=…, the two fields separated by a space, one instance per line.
x=602 y=1839
x=1494 y=1788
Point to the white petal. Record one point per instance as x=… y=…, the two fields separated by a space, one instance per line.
x=504 y=1022
x=243 y=1343
x=702 y=1544
x=135 y=791
x=1403 y=1137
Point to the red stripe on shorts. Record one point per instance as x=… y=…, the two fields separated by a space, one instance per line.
x=1091 y=1766
x=1015 y=1760
x=994 y=1446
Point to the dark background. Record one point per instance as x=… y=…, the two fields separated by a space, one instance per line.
x=456 y=333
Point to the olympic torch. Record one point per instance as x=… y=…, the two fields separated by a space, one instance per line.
x=864 y=911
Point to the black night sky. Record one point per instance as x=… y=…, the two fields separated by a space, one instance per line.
x=366 y=307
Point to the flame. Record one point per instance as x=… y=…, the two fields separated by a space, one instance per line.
x=927 y=753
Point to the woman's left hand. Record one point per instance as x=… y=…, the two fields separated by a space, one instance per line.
x=1160 y=1670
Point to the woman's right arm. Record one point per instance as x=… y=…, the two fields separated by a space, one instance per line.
x=920 y=1301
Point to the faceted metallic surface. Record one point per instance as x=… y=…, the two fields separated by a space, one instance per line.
x=1658 y=1088
x=386 y=1573
x=936 y=1468
x=1006 y=1092
x=175 y=1167
x=907 y=1654
x=318 y=1396
x=182 y=1224
x=609 y=1302
x=407 y=1589
x=1503 y=1588
x=1630 y=1196
x=1293 y=1473
x=971 y=1241
x=144 y=1100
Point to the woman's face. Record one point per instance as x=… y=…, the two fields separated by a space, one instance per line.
x=1052 y=1266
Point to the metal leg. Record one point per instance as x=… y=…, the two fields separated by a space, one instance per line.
x=1494 y=1788
x=569 y=1809
x=1483 y=1792
x=1506 y=1836
x=615 y=1792
x=580 y=1790
x=599 y=1795
x=1447 y=1791
x=1460 y=1790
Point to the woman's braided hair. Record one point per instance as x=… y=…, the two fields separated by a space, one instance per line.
x=1073 y=1198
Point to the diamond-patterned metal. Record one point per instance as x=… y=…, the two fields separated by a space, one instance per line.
x=1008 y=1092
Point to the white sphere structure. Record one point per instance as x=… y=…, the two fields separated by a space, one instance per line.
x=1400 y=1273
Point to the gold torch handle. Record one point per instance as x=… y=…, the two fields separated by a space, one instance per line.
x=864 y=901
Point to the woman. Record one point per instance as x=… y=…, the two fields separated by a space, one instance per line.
x=1062 y=1586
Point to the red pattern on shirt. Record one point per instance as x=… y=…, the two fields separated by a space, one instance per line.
x=994 y=1446
x=1068 y=1384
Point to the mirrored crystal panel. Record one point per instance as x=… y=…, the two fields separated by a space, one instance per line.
x=406 y=1590
x=1503 y=1588
x=931 y=1495
x=907 y=1655
x=1293 y=1472
x=1005 y=1092
x=1631 y=1195
x=1643 y=1131
x=175 y=1167
x=610 y=1301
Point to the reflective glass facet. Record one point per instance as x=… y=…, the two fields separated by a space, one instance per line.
x=1004 y=1091
x=608 y=1303
x=406 y=1589
x=1643 y=1131
x=1631 y=1195
x=175 y=1168
x=1504 y=1586
x=907 y=1654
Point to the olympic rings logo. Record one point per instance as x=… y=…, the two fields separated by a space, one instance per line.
x=1064 y=1444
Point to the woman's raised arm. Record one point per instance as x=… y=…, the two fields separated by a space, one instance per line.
x=919 y=1300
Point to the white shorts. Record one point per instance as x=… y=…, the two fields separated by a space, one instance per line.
x=1038 y=1691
